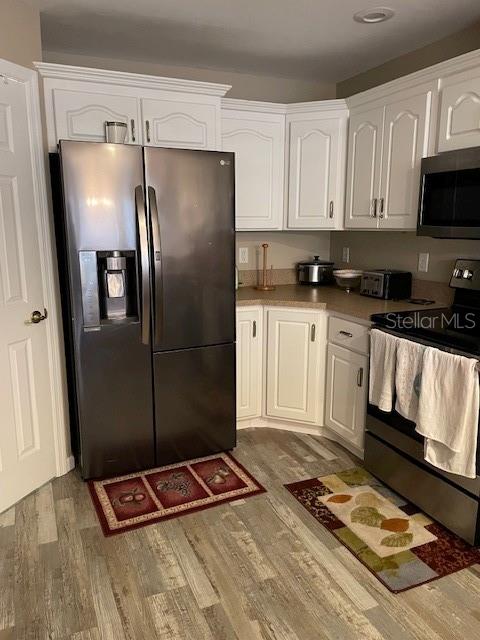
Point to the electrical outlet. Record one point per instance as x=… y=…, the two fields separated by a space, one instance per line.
x=243 y=255
x=423 y=262
x=346 y=254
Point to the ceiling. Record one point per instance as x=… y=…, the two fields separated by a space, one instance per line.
x=311 y=39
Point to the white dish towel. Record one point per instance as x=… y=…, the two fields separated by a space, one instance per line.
x=407 y=377
x=448 y=411
x=382 y=369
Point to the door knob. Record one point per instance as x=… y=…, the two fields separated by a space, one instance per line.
x=37 y=317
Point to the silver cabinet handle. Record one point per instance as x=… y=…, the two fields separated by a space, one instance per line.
x=360 y=377
x=254 y=328
x=373 y=213
x=144 y=263
x=312 y=332
x=157 y=265
x=147 y=128
x=132 y=129
x=347 y=334
x=330 y=210
x=382 y=207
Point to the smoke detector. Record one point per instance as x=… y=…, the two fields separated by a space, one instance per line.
x=372 y=16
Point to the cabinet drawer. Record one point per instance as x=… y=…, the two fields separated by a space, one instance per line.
x=349 y=334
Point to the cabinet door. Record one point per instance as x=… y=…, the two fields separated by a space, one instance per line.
x=80 y=115
x=364 y=162
x=346 y=401
x=259 y=146
x=460 y=112
x=293 y=364
x=405 y=142
x=316 y=179
x=249 y=362
x=184 y=125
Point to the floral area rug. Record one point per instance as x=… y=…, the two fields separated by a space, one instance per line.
x=400 y=545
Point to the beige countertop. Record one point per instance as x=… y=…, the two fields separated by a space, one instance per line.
x=330 y=298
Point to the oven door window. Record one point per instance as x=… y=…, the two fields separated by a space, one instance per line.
x=451 y=198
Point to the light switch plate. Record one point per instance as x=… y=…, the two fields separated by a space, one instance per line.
x=346 y=254
x=243 y=255
x=423 y=259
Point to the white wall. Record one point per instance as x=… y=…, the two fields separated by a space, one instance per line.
x=20 y=39
x=286 y=247
x=247 y=86
x=399 y=250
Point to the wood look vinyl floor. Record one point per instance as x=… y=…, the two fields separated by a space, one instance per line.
x=259 y=569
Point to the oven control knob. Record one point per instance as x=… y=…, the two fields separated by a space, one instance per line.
x=457 y=273
x=467 y=274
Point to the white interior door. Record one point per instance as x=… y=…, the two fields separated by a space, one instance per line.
x=27 y=444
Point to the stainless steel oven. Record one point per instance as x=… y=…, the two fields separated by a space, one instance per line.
x=450 y=195
x=394 y=451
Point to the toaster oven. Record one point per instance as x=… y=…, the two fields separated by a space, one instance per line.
x=389 y=284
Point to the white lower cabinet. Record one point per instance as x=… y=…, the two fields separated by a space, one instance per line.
x=294 y=364
x=249 y=362
x=346 y=393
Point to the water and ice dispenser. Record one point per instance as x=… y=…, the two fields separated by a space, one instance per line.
x=109 y=287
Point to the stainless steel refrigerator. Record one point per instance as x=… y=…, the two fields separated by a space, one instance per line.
x=146 y=259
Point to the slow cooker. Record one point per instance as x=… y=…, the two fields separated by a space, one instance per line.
x=315 y=271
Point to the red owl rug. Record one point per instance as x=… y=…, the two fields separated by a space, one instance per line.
x=135 y=500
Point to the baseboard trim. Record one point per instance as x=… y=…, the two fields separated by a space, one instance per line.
x=283 y=425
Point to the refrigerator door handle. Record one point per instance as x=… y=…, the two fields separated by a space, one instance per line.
x=157 y=266
x=144 y=263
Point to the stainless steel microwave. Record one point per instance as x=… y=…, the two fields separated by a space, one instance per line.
x=449 y=204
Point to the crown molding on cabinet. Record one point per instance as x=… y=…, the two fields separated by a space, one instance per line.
x=237 y=104
x=435 y=73
x=123 y=78
x=317 y=106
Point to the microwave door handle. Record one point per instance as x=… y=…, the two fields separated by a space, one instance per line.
x=157 y=266
x=144 y=264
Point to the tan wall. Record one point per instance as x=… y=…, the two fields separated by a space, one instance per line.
x=449 y=47
x=286 y=248
x=399 y=250
x=247 y=86
x=20 y=36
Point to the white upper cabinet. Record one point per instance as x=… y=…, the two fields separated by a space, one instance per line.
x=460 y=111
x=180 y=124
x=316 y=172
x=364 y=166
x=387 y=141
x=158 y=111
x=405 y=143
x=255 y=132
x=81 y=115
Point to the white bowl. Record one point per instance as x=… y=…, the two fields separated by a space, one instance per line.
x=348 y=279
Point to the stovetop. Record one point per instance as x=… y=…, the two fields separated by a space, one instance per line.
x=454 y=327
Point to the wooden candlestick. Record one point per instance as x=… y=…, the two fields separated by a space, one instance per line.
x=264 y=286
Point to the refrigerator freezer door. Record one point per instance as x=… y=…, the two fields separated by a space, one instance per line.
x=194 y=402
x=191 y=204
x=112 y=366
